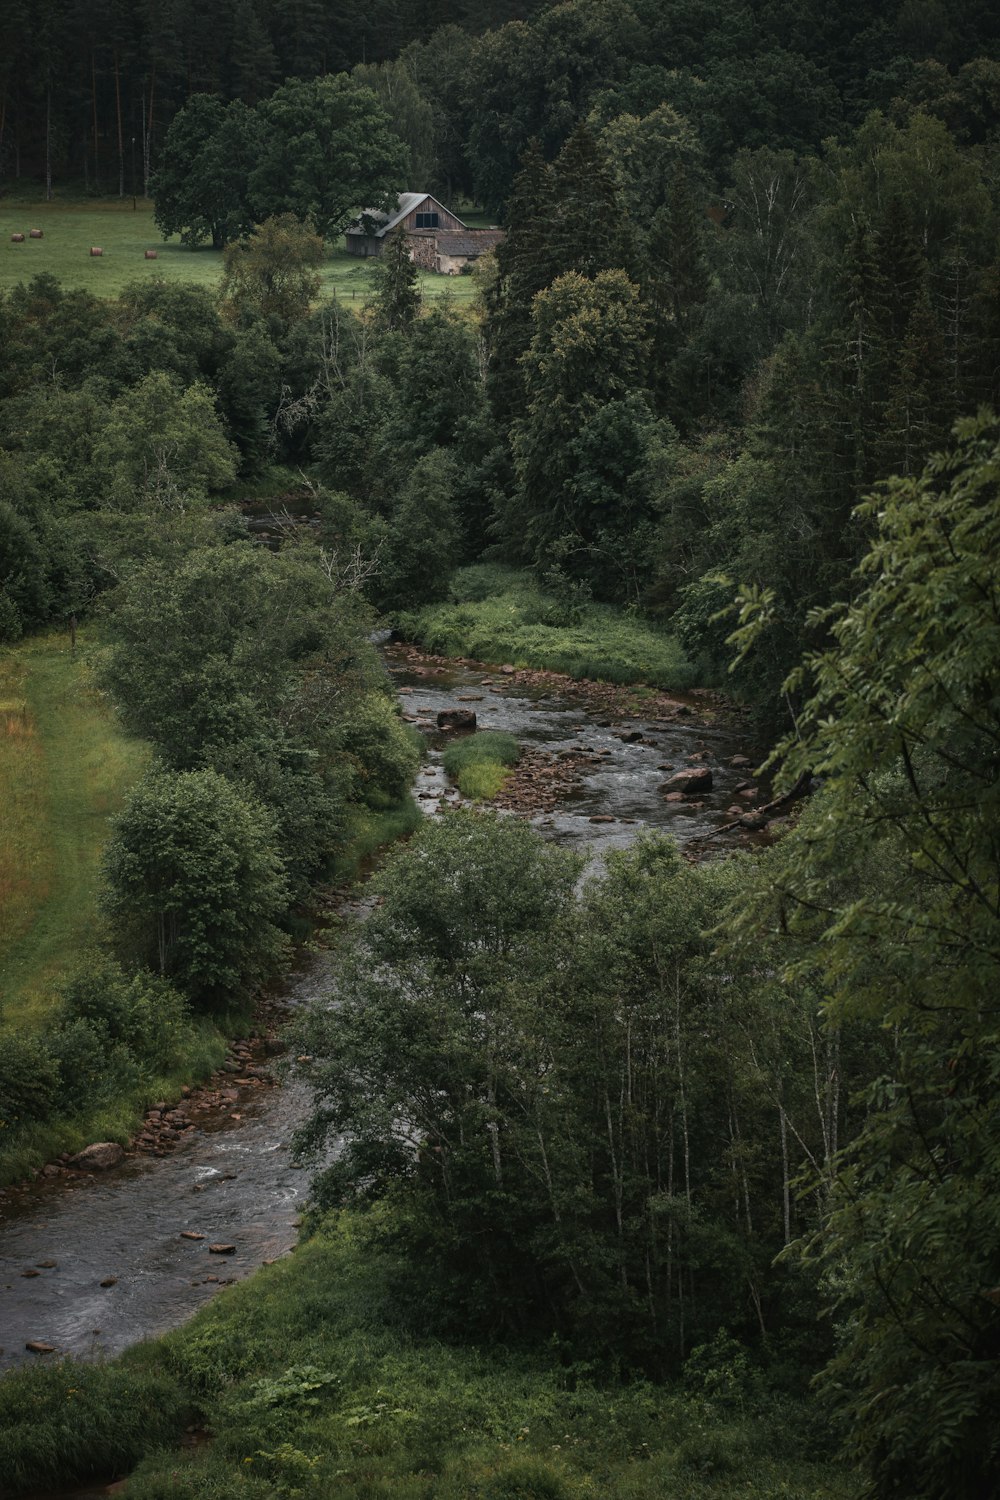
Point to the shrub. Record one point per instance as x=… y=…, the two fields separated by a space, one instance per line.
x=489 y=745
x=29 y=1080
x=143 y=1013
x=384 y=755
x=91 y=1069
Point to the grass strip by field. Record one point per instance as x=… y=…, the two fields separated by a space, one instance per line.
x=313 y=1383
x=480 y=763
x=70 y=229
x=497 y=615
x=65 y=767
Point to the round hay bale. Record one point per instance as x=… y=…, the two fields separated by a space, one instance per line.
x=17 y=239
x=34 y=234
x=150 y=254
x=96 y=250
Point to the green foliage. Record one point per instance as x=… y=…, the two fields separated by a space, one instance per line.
x=311 y=1384
x=200 y=185
x=582 y=452
x=396 y=295
x=327 y=151
x=505 y=1056
x=141 y=1012
x=273 y=272
x=68 y=1423
x=195 y=884
x=29 y=1080
x=162 y=449
x=889 y=890
x=424 y=538
x=488 y=744
x=384 y=753
x=210 y=652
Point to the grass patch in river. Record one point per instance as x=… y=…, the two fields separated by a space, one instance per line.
x=499 y=615
x=480 y=763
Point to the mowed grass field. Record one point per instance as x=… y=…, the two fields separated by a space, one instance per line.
x=69 y=229
x=65 y=767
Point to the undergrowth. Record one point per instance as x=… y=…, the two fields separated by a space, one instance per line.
x=311 y=1385
x=498 y=615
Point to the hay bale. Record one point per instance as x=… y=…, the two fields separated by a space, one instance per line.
x=150 y=254
x=96 y=250
x=17 y=239
x=34 y=234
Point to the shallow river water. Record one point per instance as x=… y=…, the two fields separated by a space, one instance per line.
x=231 y=1179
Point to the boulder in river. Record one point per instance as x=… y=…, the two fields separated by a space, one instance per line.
x=456 y=718
x=698 y=779
x=98 y=1157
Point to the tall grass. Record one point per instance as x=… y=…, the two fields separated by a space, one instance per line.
x=497 y=615
x=26 y=866
x=65 y=767
x=480 y=763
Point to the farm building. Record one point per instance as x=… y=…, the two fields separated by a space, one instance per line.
x=437 y=238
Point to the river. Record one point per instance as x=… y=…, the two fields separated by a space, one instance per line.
x=91 y=1265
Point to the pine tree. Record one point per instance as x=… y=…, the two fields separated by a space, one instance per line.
x=589 y=232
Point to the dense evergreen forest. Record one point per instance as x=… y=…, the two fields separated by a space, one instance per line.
x=730 y=377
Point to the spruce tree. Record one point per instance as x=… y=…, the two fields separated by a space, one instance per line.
x=397 y=295
x=525 y=266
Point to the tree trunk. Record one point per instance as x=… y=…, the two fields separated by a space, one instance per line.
x=786 y=1191
x=121 y=135
x=93 y=100
x=48 y=140
x=147 y=136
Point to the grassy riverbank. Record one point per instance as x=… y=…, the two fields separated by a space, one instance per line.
x=309 y=1382
x=499 y=615
x=69 y=229
x=65 y=768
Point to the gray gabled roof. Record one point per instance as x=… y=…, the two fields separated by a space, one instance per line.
x=387 y=222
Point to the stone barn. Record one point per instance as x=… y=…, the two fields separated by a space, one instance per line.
x=437 y=238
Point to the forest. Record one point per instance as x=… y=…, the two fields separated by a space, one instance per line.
x=655 y=1146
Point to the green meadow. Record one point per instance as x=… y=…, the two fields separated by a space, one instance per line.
x=65 y=768
x=69 y=229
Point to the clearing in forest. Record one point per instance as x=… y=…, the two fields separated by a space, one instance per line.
x=70 y=229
